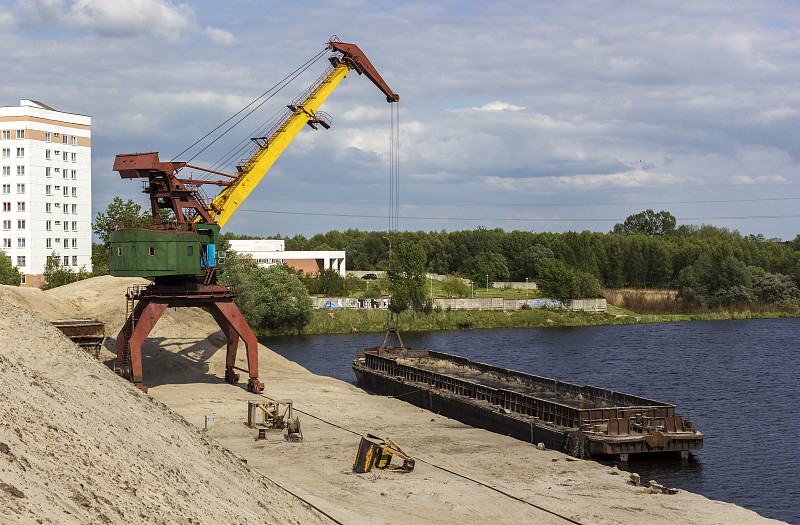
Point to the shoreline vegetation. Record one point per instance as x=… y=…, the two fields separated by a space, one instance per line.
x=651 y=306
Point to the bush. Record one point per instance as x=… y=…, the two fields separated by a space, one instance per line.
x=455 y=287
x=558 y=282
x=274 y=298
x=9 y=274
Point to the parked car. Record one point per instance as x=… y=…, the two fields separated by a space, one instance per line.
x=369 y=276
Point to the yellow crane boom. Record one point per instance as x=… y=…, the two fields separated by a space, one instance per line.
x=303 y=113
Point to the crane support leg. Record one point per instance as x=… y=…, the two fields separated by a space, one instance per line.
x=147 y=304
x=233 y=324
x=144 y=318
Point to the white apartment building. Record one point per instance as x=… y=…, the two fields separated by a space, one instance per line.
x=46 y=188
x=268 y=252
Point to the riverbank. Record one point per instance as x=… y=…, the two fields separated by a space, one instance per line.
x=341 y=321
x=139 y=454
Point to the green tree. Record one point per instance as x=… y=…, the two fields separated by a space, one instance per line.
x=100 y=256
x=455 y=287
x=557 y=281
x=237 y=266
x=647 y=222
x=531 y=262
x=9 y=274
x=274 y=298
x=329 y=282
x=588 y=285
x=482 y=264
x=774 y=288
x=119 y=213
x=407 y=278
x=55 y=274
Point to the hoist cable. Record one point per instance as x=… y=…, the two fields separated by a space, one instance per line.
x=277 y=87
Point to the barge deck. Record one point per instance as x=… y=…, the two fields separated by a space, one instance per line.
x=583 y=421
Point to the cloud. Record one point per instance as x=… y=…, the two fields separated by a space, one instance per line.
x=499 y=106
x=117 y=18
x=220 y=37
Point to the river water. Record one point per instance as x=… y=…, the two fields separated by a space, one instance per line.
x=737 y=381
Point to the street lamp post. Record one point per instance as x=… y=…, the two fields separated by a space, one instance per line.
x=526 y=288
x=487 y=283
x=472 y=288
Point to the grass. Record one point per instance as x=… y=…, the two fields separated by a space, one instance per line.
x=624 y=307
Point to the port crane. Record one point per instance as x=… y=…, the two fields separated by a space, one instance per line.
x=180 y=256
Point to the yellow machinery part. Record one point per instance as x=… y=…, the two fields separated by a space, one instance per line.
x=232 y=197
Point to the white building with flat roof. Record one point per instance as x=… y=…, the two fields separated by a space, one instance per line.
x=46 y=183
x=268 y=252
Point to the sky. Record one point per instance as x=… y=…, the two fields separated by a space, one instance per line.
x=521 y=115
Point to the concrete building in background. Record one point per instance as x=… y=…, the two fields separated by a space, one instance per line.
x=268 y=252
x=46 y=181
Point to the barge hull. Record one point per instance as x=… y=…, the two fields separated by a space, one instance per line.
x=582 y=421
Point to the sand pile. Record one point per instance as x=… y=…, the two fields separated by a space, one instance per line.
x=84 y=442
x=80 y=445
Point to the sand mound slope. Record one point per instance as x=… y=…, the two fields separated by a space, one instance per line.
x=80 y=445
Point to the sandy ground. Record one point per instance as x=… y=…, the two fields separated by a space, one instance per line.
x=84 y=446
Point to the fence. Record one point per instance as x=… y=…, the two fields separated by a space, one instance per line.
x=474 y=303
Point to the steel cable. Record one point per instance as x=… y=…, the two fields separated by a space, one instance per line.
x=444 y=469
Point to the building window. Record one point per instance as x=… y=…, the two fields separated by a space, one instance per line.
x=48 y=189
x=20 y=170
x=74 y=209
x=48 y=207
x=6 y=189
x=20 y=152
x=20 y=205
x=21 y=224
x=20 y=261
x=6 y=243
x=64 y=139
x=48 y=225
x=6 y=206
x=152 y=251
x=74 y=260
x=49 y=243
x=20 y=188
x=74 y=157
x=74 y=226
x=66 y=226
x=47 y=136
x=74 y=174
x=6 y=153
x=6 y=225
x=66 y=191
x=119 y=251
x=64 y=156
x=66 y=208
x=20 y=133
x=74 y=243
x=21 y=242
x=66 y=242
x=47 y=154
x=66 y=260
x=47 y=172
x=74 y=141
x=6 y=134
x=6 y=170
x=74 y=191
x=65 y=172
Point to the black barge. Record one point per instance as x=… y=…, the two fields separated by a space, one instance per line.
x=583 y=421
